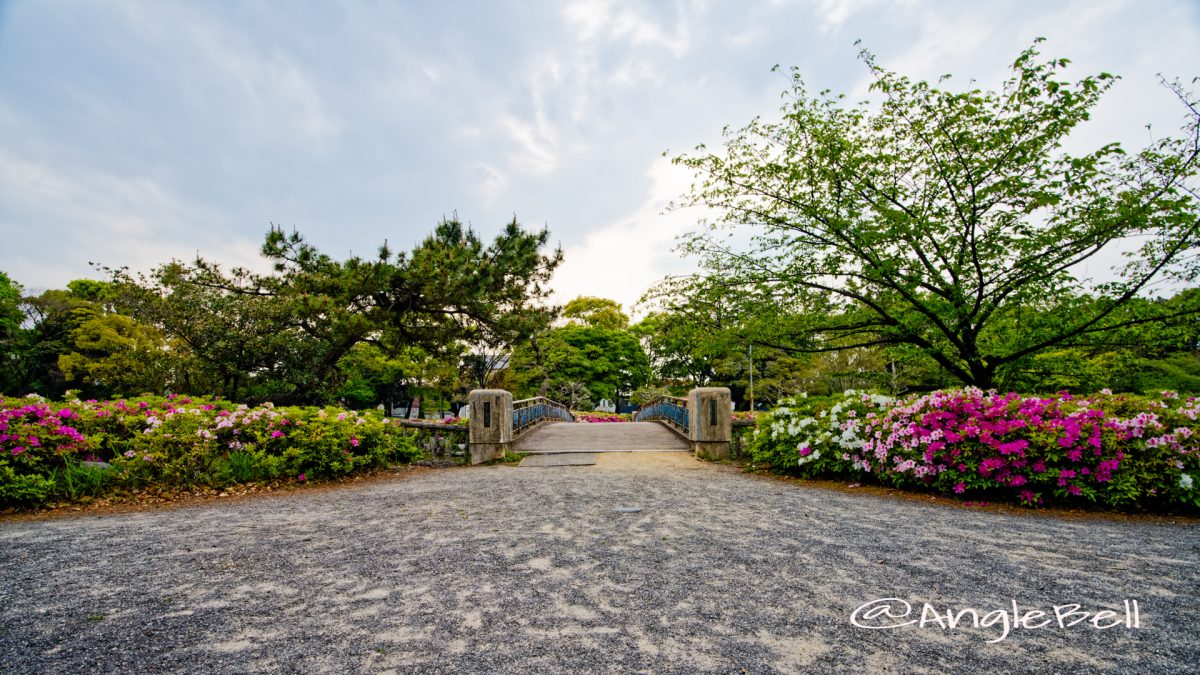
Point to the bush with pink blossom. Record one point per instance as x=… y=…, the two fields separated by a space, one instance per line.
x=601 y=417
x=1112 y=450
x=47 y=449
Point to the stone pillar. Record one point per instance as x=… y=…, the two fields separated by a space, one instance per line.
x=710 y=428
x=491 y=427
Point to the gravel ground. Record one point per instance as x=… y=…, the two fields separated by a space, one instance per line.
x=506 y=569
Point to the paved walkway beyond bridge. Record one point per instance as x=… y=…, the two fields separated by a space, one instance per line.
x=611 y=437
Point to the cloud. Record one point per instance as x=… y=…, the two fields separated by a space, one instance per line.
x=535 y=136
x=64 y=219
x=620 y=21
x=621 y=260
x=178 y=126
x=491 y=183
x=271 y=93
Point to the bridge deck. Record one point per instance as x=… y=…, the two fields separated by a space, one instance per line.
x=611 y=437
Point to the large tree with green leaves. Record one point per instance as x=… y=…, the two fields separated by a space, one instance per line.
x=953 y=222
x=114 y=355
x=608 y=362
x=11 y=317
x=283 y=335
x=592 y=311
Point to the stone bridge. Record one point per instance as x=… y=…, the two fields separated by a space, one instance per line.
x=699 y=423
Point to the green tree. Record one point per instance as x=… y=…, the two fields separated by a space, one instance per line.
x=574 y=395
x=608 y=362
x=114 y=355
x=599 y=312
x=242 y=344
x=52 y=318
x=941 y=219
x=11 y=318
x=284 y=335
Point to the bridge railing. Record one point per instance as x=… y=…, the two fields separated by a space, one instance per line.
x=670 y=409
x=529 y=412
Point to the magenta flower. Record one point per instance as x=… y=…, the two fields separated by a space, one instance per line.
x=18 y=450
x=354 y=440
x=960 y=488
x=989 y=465
x=303 y=477
x=276 y=434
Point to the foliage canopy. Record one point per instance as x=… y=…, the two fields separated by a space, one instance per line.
x=951 y=222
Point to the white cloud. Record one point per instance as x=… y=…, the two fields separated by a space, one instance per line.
x=536 y=137
x=491 y=183
x=72 y=217
x=623 y=259
x=270 y=91
x=619 y=21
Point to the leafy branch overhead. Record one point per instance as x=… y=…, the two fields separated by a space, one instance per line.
x=951 y=221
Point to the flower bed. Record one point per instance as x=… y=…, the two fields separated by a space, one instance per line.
x=51 y=451
x=601 y=417
x=1111 y=450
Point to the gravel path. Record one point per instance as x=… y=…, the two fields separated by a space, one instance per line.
x=505 y=569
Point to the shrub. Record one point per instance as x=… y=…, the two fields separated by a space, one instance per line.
x=180 y=442
x=806 y=435
x=1106 y=449
x=598 y=417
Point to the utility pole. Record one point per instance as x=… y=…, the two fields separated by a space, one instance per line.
x=751 y=377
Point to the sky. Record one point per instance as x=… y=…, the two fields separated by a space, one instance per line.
x=132 y=133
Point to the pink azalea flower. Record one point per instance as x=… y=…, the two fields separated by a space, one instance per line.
x=960 y=488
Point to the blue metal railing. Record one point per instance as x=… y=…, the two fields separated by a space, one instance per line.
x=670 y=409
x=531 y=411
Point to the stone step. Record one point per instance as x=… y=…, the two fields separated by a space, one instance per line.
x=601 y=437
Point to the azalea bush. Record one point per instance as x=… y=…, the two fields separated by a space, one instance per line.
x=1113 y=450
x=745 y=417
x=53 y=451
x=803 y=434
x=598 y=417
